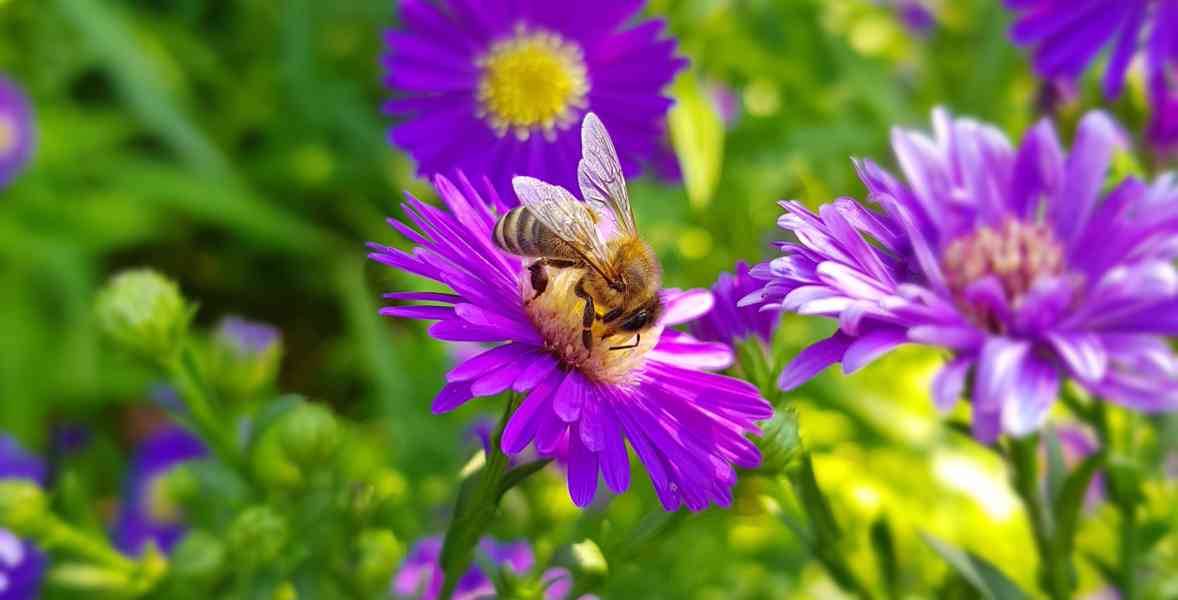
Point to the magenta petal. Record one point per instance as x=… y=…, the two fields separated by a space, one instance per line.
x=582 y=472
x=615 y=462
x=871 y=346
x=521 y=427
x=949 y=383
x=684 y=306
x=486 y=362
x=570 y=396
x=812 y=360
x=998 y=365
x=1035 y=388
x=1083 y=353
x=451 y=396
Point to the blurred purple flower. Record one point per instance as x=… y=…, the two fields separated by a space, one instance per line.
x=22 y=566
x=16 y=131
x=595 y=399
x=147 y=514
x=1068 y=36
x=728 y=322
x=499 y=88
x=1013 y=258
x=420 y=576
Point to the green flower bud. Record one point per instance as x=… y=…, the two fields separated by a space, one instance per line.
x=589 y=558
x=199 y=557
x=24 y=509
x=92 y=578
x=271 y=464
x=310 y=434
x=285 y=591
x=258 y=534
x=380 y=552
x=373 y=494
x=144 y=312
x=780 y=442
x=244 y=358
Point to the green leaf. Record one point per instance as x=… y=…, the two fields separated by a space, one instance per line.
x=1070 y=501
x=520 y=473
x=697 y=133
x=981 y=574
x=825 y=527
x=884 y=546
x=1057 y=469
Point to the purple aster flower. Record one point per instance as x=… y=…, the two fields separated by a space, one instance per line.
x=22 y=566
x=499 y=88
x=686 y=425
x=147 y=513
x=1015 y=259
x=1067 y=37
x=420 y=576
x=16 y=131
x=728 y=322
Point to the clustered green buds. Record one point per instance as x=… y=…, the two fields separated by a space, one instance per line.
x=379 y=553
x=259 y=534
x=144 y=312
x=244 y=358
x=309 y=434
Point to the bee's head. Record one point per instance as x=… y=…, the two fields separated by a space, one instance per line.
x=644 y=316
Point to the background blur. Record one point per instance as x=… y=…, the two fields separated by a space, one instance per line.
x=239 y=148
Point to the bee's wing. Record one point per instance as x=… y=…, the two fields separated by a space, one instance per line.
x=571 y=220
x=600 y=174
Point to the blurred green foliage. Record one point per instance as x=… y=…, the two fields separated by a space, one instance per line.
x=238 y=146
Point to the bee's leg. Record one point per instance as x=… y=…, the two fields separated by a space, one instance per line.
x=589 y=316
x=634 y=345
x=539 y=277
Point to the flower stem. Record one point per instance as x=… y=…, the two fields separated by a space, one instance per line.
x=478 y=501
x=202 y=417
x=60 y=535
x=824 y=535
x=1055 y=568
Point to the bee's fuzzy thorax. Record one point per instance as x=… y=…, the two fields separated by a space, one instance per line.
x=557 y=315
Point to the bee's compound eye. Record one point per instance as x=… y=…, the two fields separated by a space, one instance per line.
x=637 y=321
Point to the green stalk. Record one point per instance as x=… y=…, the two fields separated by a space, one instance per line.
x=60 y=535
x=824 y=535
x=202 y=417
x=478 y=501
x=1055 y=568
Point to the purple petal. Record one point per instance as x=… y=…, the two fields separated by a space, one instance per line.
x=950 y=383
x=871 y=346
x=810 y=361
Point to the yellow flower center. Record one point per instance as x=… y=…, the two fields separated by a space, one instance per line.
x=557 y=315
x=8 y=134
x=532 y=81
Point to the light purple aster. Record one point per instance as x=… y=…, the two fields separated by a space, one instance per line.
x=22 y=566
x=915 y=15
x=16 y=131
x=1015 y=259
x=1067 y=36
x=728 y=322
x=499 y=87
x=147 y=514
x=686 y=425
x=420 y=576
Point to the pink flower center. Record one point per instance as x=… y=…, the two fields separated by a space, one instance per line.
x=1017 y=254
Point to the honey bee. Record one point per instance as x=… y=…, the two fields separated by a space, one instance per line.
x=622 y=277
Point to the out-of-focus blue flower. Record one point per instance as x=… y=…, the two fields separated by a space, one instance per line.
x=420 y=576
x=148 y=513
x=499 y=88
x=595 y=398
x=16 y=131
x=915 y=15
x=22 y=566
x=1068 y=36
x=728 y=322
x=1013 y=258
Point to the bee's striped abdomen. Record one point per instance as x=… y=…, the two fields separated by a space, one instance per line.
x=520 y=232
